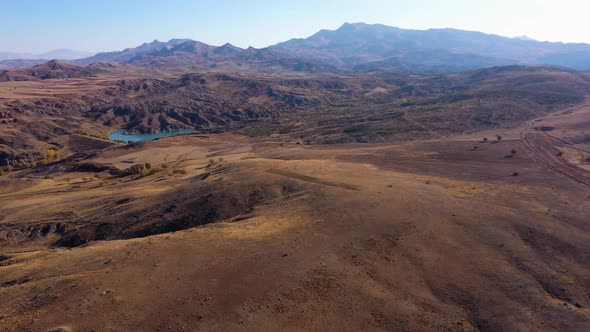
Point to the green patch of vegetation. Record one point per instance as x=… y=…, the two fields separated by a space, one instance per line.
x=357 y=128
x=145 y=169
x=546 y=98
x=180 y=171
x=93 y=135
x=259 y=131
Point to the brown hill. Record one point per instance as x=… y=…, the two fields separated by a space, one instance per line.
x=327 y=109
x=49 y=70
x=230 y=233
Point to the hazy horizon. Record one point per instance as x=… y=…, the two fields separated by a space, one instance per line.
x=89 y=27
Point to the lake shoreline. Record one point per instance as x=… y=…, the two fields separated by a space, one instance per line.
x=121 y=135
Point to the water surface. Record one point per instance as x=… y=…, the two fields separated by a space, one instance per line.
x=122 y=135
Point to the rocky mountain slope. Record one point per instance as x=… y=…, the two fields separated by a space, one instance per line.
x=359 y=43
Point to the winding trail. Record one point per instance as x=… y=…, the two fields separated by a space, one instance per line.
x=552 y=161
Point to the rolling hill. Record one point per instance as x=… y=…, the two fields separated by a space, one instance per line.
x=49 y=70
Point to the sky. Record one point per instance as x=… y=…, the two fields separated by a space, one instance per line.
x=107 y=25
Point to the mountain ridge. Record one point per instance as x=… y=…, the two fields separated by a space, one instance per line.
x=350 y=43
x=352 y=47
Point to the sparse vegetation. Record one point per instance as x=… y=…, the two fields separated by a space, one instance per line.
x=322 y=224
x=512 y=154
x=136 y=168
x=143 y=169
x=51 y=155
x=180 y=171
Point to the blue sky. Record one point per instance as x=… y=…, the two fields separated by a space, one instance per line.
x=105 y=25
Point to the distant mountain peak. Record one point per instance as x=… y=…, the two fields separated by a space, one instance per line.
x=227 y=49
x=54 y=65
x=525 y=38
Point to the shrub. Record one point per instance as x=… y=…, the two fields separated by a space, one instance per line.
x=180 y=171
x=136 y=169
x=498 y=138
x=52 y=155
x=165 y=166
x=148 y=166
x=1 y=171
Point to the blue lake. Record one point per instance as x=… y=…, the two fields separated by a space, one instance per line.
x=121 y=135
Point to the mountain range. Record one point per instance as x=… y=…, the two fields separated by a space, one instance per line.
x=14 y=60
x=62 y=53
x=356 y=47
x=359 y=43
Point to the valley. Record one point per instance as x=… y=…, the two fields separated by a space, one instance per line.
x=241 y=232
x=368 y=178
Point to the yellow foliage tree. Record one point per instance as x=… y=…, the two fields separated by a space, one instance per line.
x=51 y=154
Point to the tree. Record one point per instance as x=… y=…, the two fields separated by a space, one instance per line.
x=148 y=166
x=52 y=154
x=498 y=138
x=136 y=169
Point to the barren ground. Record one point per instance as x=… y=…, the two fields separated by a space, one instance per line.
x=428 y=235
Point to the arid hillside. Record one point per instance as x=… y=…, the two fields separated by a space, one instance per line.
x=225 y=232
x=314 y=109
